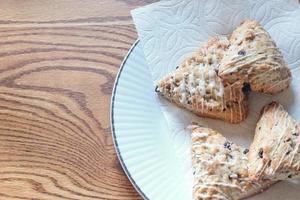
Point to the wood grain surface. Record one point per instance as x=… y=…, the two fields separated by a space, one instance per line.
x=58 y=62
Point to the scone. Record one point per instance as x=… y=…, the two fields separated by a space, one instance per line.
x=220 y=168
x=274 y=153
x=196 y=86
x=253 y=58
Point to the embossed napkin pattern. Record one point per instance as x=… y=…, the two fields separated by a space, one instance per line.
x=171 y=30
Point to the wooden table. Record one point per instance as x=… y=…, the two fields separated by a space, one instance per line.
x=58 y=62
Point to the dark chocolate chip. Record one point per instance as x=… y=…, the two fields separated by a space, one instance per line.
x=246 y=151
x=227 y=145
x=259 y=128
x=246 y=88
x=261 y=153
x=290 y=176
x=269 y=163
x=242 y=53
x=287 y=140
x=224 y=109
x=295 y=134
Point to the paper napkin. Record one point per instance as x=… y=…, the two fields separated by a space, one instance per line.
x=171 y=30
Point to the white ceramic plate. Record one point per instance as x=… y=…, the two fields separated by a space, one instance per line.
x=140 y=133
x=143 y=143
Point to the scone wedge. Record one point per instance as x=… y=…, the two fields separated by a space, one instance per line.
x=220 y=168
x=253 y=58
x=196 y=86
x=275 y=153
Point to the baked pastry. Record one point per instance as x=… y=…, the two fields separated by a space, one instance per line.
x=275 y=153
x=253 y=58
x=220 y=168
x=196 y=86
x=214 y=82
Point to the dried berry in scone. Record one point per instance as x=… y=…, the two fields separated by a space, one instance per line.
x=220 y=167
x=274 y=153
x=253 y=58
x=196 y=86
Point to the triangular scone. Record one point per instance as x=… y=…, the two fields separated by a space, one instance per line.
x=220 y=168
x=196 y=86
x=253 y=58
x=275 y=153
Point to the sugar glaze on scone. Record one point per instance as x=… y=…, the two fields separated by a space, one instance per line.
x=196 y=86
x=253 y=58
x=220 y=168
x=275 y=153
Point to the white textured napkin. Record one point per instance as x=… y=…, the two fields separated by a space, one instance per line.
x=171 y=30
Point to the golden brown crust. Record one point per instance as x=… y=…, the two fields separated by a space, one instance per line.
x=274 y=153
x=214 y=81
x=254 y=58
x=220 y=167
x=196 y=86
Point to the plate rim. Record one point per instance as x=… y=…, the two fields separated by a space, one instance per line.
x=124 y=167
